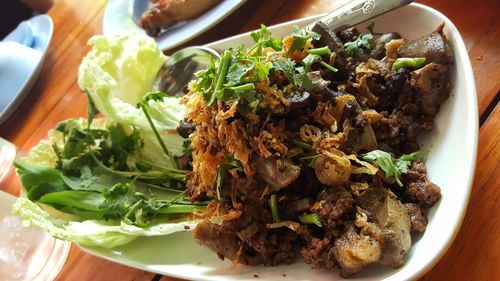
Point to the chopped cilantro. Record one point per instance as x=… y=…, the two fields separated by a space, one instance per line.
x=392 y=167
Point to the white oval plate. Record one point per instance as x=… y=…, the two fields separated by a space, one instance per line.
x=452 y=149
x=23 y=63
x=118 y=18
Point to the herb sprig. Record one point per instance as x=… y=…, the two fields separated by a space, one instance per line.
x=392 y=167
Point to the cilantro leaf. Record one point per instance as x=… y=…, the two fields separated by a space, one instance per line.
x=354 y=48
x=309 y=60
x=300 y=39
x=392 y=167
x=237 y=70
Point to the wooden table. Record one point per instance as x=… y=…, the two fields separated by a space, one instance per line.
x=475 y=253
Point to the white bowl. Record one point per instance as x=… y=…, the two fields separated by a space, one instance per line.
x=451 y=161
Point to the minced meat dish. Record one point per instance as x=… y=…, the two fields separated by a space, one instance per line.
x=306 y=146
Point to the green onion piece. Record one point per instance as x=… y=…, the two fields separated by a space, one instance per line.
x=320 y=51
x=179 y=209
x=311 y=219
x=329 y=67
x=243 y=88
x=274 y=208
x=414 y=63
x=222 y=72
x=303 y=144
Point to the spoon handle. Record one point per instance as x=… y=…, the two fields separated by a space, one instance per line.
x=358 y=11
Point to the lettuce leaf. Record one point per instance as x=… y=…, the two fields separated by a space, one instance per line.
x=73 y=228
x=116 y=74
x=102 y=233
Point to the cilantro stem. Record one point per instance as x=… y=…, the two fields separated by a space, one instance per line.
x=179 y=196
x=329 y=67
x=171 y=158
x=178 y=209
x=320 y=51
x=274 y=208
x=178 y=175
x=243 y=88
x=303 y=144
x=222 y=73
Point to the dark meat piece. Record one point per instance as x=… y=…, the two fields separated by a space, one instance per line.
x=391 y=224
x=185 y=128
x=434 y=47
x=400 y=131
x=417 y=217
x=299 y=206
x=331 y=204
x=298 y=100
x=277 y=172
x=378 y=44
x=273 y=246
x=225 y=243
x=319 y=253
x=355 y=251
x=433 y=87
x=361 y=138
x=396 y=83
x=328 y=38
x=418 y=188
x=349 y=34
x=165 y=13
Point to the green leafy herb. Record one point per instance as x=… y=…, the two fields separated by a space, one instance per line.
x=273 y=204
x=413 y=63
x=354 y=48
x=263 y=39
x=300 y=39
x=312 y=218
x=392 y=167
x=297 y=75
x=95 y=195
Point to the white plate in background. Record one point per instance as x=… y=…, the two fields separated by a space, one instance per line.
x=452 y=147
x=20 y=65
x=118 y=18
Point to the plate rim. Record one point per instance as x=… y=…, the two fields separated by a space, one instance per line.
x=235 y=4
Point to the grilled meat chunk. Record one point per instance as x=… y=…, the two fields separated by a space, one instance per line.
x=166 y=13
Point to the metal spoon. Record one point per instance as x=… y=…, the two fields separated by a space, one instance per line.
x=179 y=69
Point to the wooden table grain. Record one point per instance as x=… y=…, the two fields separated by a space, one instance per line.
x=475 y=253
